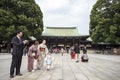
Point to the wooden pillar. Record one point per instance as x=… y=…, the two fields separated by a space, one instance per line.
x=48 y=42
x=73 y=41
x=79 y=40
x=56 y=40
x=65 y=42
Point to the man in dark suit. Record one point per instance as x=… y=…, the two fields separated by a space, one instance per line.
x=77 y=52
x=17 y=53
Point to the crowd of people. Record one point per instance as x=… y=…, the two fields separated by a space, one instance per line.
x=37 y=54
x=75 y=52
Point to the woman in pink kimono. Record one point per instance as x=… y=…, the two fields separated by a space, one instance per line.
x=32 y=54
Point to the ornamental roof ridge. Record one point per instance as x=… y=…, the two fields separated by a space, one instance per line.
x=61 y=27
x=61 y=31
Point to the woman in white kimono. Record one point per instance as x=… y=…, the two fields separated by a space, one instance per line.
x=42 y=51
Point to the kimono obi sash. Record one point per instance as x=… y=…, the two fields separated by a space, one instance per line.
x=42 y=49
x=34 y=51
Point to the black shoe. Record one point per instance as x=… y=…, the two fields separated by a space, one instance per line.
x=77 y=61
x=29 y=71
x=18 y=74
x=38 y=68
x=47 y=69
x=11 y=76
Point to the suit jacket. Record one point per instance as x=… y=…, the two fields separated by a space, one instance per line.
x=18 y=46
x=77 y=49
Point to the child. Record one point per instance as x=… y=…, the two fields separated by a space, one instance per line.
x=84 y=57
x=48 y=60
x=62 y=51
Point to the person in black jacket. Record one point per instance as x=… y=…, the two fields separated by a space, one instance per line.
x=17 y=53
x=77 y=52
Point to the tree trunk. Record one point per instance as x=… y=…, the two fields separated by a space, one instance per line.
x=9 y=46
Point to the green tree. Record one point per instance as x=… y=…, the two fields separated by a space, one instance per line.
x=23 y=15
x=105 y=21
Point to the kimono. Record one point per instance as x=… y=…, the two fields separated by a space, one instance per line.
x=32 y=53
x=42 y=51
x=72 y=53
x=62 y=51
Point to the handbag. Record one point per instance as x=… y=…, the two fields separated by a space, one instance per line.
x=33 y=54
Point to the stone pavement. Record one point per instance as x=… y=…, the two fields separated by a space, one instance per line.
x=100 y=67
x=5 y=56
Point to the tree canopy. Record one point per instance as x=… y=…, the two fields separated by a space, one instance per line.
x=22 y=15
x=105 y=21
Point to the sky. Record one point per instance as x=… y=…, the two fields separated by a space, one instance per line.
x=67 y=13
